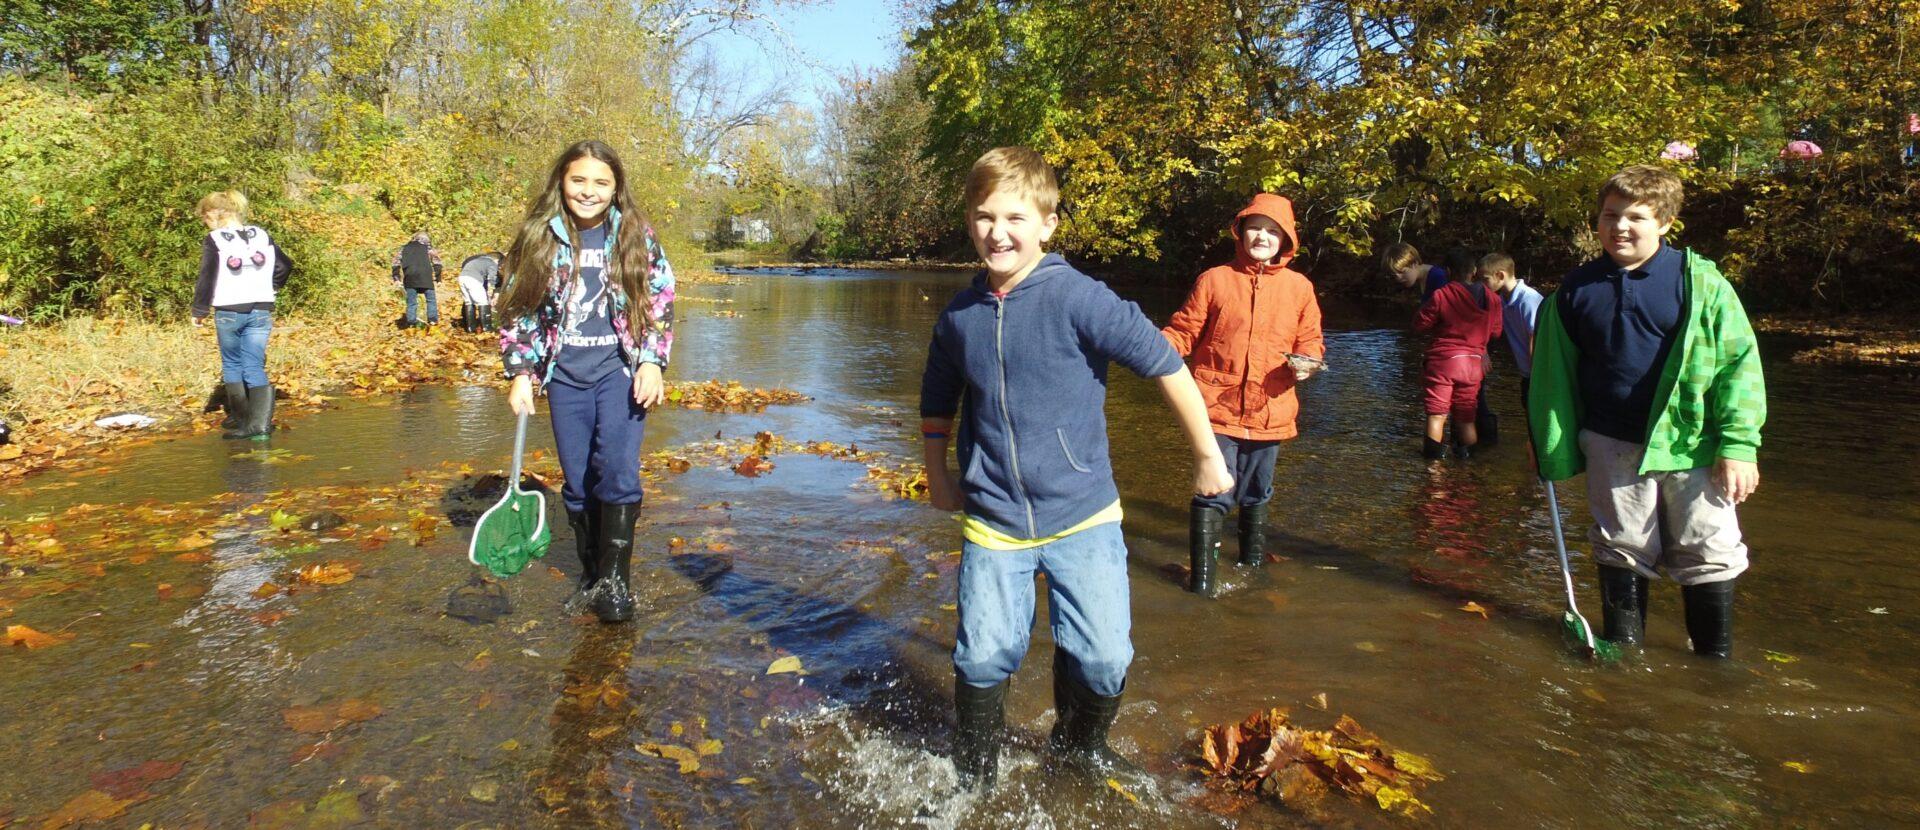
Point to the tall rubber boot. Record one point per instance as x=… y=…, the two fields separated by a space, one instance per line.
x=1432 y=450
x=259 y=412
x=981 y=720
x=1253 y=535
x=613 y=598
x=586 y=541
x=235 y=423
x=466 y=317
x=1487 y=422
x=1062 y=706
x=486 y=318
x=1085 y=739
x=1204 y=525
x=1623 y=605
x=1710 y=617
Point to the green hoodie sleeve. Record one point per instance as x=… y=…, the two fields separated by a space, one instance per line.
x=1553 y=399
x=1737 y=400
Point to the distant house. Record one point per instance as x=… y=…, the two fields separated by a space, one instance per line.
x=752 y=231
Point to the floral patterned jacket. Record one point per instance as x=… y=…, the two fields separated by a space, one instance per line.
x=529 y=344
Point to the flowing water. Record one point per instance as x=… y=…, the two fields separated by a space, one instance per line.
x=364 y=702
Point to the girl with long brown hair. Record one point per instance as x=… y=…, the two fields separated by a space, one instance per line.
x=588 y=312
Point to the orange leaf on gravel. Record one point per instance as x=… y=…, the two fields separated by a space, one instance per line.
x=92 y=805
x=127 y=783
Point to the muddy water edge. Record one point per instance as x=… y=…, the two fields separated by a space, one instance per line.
x=176 y=689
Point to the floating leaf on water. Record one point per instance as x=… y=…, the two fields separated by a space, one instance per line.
x=1318 y=701
x=1877 y=611
x=328 y=573
x=1797 y=766
x=508 y=745
x=266 y=590
x=753 y=467
x=789 y=663
x=710 y=746
x=1368 y=647
x=600 y=733
x=26 y=637
x=1780 y=657
x=1400 y=802
x=283 y=521
x=484 y=791
x=745 y=780
x=1475 y=608
x=1594 y=694
x=1115 y=786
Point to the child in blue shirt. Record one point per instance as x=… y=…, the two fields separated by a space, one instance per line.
x=1520 y=307
x=1026 y=349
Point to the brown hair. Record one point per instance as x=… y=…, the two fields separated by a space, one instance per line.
x=528 y=267
x=1656 y=186
x=1399 y=255
x=223 y=201
x=1017 y=168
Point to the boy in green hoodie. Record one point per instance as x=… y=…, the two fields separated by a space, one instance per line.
x=1646 y=376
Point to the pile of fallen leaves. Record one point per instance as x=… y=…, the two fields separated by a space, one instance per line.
x=1855 y=341
x=752 y=458
x=1267 y=755
x=729 y=396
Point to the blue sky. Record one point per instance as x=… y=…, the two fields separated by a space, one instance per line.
x=830 y=36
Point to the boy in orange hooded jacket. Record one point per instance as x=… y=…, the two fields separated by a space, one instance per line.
x=1237 y=329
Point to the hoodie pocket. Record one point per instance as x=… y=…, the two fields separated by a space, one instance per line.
x=1071 y=461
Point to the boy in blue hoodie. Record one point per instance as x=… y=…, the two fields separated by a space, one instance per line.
x=1026 y=348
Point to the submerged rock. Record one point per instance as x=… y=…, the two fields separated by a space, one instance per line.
x=479 y=601
x=322 y=521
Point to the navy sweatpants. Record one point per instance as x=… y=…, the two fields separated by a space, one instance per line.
x=598 y=432
x=1251 y=463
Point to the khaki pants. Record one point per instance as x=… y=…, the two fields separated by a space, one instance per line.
x=1676 y=524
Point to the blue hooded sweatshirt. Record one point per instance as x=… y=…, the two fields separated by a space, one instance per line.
x=1031 y=368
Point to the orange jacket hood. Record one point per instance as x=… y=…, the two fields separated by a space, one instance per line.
x=1280 y=210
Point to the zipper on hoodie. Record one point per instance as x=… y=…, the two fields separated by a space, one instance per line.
x=1006 y=414
x=1246 y=369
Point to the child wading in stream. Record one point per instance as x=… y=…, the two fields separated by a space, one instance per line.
x=588 y=312
x=240 y=271
x=1646 y=376
x=1237 y=327
x=1025 y=348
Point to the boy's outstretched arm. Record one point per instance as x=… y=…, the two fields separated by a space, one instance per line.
x=1210 y=476
x=942 y=490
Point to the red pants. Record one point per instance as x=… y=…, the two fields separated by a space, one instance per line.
x=1453 y=384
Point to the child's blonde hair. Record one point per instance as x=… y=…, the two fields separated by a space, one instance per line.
x=1656 y=186
x=1019 y=169
x=223 y=201
x=1399 y=255
x=1496 y=261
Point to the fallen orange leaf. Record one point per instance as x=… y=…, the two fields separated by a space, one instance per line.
x=1475 y=608
x=20 y=635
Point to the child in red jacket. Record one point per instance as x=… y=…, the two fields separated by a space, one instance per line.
x=1462 y=317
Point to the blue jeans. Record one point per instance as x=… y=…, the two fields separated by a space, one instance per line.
x=243 y=345
x=1087 y=608
x=433 y=305
x=1251 y=463
x=598 y=433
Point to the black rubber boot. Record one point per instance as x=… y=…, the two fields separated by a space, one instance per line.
x=981 y=720
x=1487 y=423
x=486 y=318
x=1432 y=450
x=613 y=598
x=1623 y=605
x=1204 y=525
x=1080 y=734
x=1710 y=617
x=236 y=406
x=1062 y=706
x=259 y=412
x=235 y=424
x=586 y=541
x=1253 y=535
x=1460 y=450
x=468 y=319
